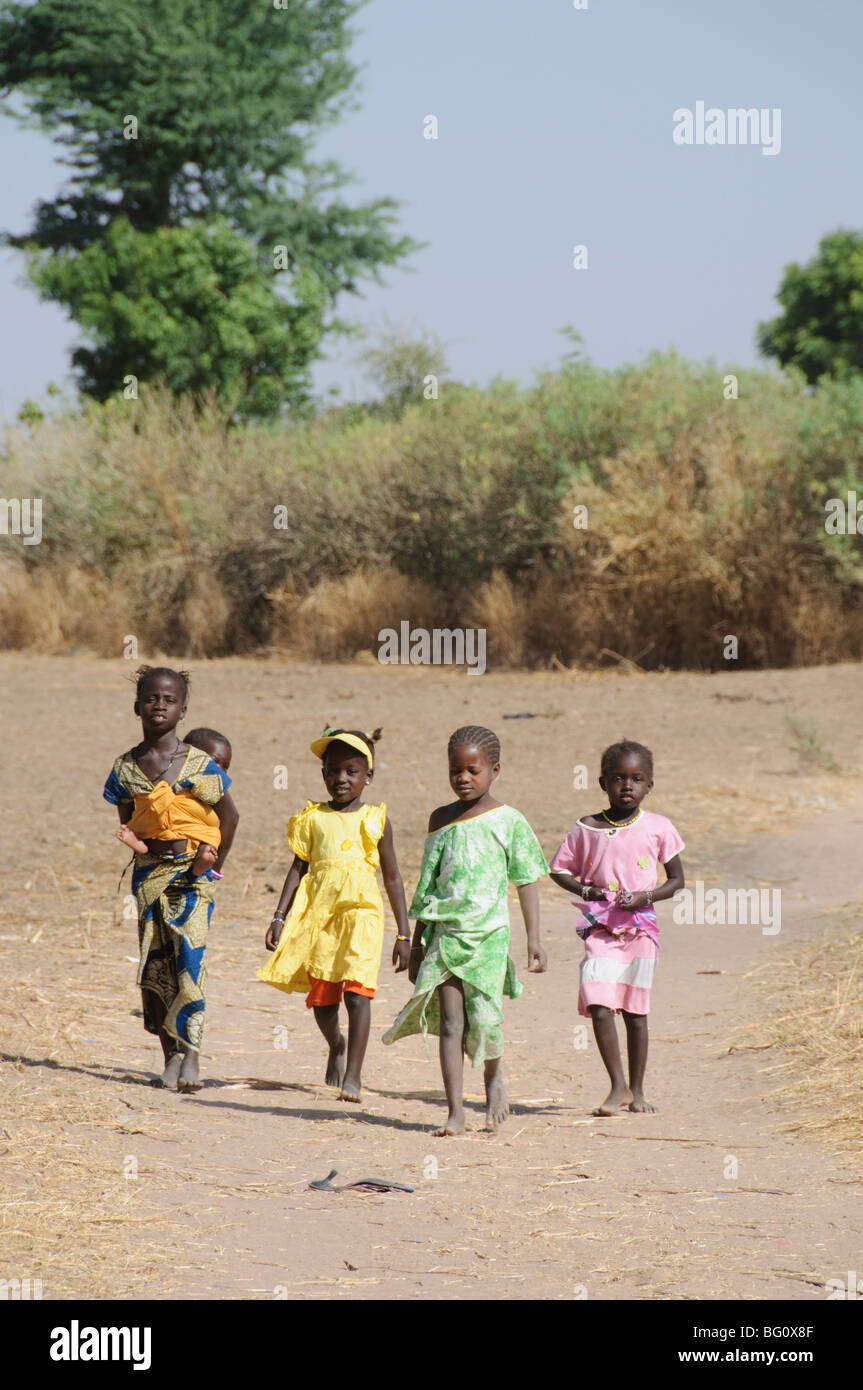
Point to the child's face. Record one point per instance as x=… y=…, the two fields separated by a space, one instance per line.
x=219 y=752
x=627 y=782
x=470 y=772
x=346 y=773
x=161 y=704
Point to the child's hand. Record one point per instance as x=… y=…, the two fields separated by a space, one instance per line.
x=537 y=960
x=630 y=902
x=133 y=841
x=274 y=931
x=401 y=955
x=416 y=959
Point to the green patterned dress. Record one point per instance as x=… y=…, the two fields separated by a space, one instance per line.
x=461 y=899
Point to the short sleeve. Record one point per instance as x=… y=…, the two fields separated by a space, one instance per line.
x=372 y=823
x=569 y=858
x=300 y=831
x=209 y=784
x=428 y=874
x=113 y=790
x=670 y=843
x=525 y=861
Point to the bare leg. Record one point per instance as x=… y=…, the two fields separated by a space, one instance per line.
x=497 y=1103
x=636 y=1048
x=188 y=1079
x=128 y=837
x=327 y=1019
x=359 y=1022
x=451 y=1051
x=171 y=1075
x=605 y=1032
x=170 y=1047
x=204 y=860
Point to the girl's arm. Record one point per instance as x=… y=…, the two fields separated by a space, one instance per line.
x=396 y=894
x=416 y=952
x=528 y=897
x=229 y=818
x=571 y=852
x=673 y=883
x=572 y=885
x=438 y=818
x=292 y=882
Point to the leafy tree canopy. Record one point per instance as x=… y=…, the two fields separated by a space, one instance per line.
x=176 y=113
x=400 y=362
x=189 y=304
x=821 y=327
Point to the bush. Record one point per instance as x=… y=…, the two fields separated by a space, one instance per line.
x=705 y=519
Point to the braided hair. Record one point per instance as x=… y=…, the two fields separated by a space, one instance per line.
x=622 y=749
x=475 y=736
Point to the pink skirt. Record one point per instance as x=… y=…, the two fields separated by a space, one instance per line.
x=617 y=971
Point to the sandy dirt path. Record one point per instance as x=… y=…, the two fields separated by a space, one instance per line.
x=208 y=1195
x=558 y=1204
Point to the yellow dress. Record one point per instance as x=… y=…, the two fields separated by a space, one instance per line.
x=335 y=929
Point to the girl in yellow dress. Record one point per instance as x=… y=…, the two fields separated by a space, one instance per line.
x=329 y=947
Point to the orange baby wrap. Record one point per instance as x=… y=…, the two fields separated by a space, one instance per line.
x=163 y=814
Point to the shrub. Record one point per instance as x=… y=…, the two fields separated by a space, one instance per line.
x=705 y=519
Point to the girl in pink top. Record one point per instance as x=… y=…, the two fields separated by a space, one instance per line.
x=610 y=860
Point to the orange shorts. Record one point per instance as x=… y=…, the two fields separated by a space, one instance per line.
x=325 y=992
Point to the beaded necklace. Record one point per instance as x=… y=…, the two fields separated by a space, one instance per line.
x=621 y=824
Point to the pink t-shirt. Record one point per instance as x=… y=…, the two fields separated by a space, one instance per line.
x=624 y=857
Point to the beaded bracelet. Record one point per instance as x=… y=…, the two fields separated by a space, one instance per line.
x=216 y=874
x=277 y=918
x=402 y=938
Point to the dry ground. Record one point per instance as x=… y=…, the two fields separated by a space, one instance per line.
x=112 y=1189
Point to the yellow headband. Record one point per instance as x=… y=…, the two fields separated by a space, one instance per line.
x=320 y=746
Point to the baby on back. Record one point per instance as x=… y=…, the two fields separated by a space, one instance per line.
x=169 y=816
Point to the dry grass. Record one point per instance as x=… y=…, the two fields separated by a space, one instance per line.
x=813 y=995
x=341 y=617
x=505 y=615
x=72 y=1211
x=49 y=610
x=105 y=1237
x=683 y=552
x=704 y=522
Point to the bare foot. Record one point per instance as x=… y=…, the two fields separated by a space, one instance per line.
x=336 y=1063
x=617 y=1096
x=204 y=860
x=171 y=1073
x=454 y=1124
x=351 y=1090
x=189 y=1080
x=497 y=1102
x=640 y=1106
x=128 y=837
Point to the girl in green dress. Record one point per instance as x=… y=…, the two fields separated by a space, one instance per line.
x=460 y=963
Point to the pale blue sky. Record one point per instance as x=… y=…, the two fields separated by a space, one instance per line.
x=555 y=128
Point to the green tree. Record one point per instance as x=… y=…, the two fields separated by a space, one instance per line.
x=821 y=327
x=177 y=114
x=399 y=363
x=189 y=304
